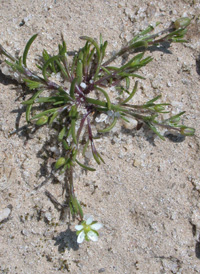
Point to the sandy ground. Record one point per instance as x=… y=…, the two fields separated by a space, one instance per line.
x=147 y=193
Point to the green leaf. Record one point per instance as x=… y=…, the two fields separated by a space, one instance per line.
x=45 y=100
x=90 y=56
x=54 y=117
x=72 y=88
x=29 y=107
x=149 y=29
x=131 y=95
x=92 y=41
x=133 y=75
x=97 y=157
x=28 y=47
x=155 y=130
x=85 y=147
x=65 y=145
x=28 y=102
x=133 y=62
x=46 y=64
x=32 y=84
x=15 y=66
x=127 y=82
x=139 y=44
x=73 y=114
x=106 y=70
x=62 y=133
x=101 y=40
x=109 y=127
x=174 y=120
x=151 y=102
x=103 y=49
x=85 y=167
x=46 y=57
x=106 y=96
x=177 y=40
x=63 y=70
x=73 y=130
x=48 y=111
x=145 y=61
x=63 y=47
x=79 y=68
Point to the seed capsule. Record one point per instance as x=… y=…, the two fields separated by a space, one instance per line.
x=182 y=22
x=60 y=162
x=188 y=131
x=42 y=121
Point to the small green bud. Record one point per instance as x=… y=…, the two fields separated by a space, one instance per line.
x=42 y=121
x=60 y=162
x=182 y=22
x=159 y=108
x=187 y=131
x=175 y=120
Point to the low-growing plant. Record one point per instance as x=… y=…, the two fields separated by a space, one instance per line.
x=82 y=97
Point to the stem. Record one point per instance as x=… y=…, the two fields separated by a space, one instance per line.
x=113 y=107
x=4 y=52
x=129 y=45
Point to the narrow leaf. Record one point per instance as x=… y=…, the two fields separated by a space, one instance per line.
x=131 y=95
x=32 y=84
x=62 y=133
x=28 y=47
x=46 y=64
x=85 y=167
x=106 y=96
x=29 y=107
x=109 y=127
x=49 y=111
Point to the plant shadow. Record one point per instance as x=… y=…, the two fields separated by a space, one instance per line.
x=66 y=240
x=197 y=250
x=198 y=65
x=6 y=80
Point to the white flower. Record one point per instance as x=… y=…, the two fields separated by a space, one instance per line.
x=87 y=230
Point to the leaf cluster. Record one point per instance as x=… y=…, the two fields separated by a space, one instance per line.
x=76 y=104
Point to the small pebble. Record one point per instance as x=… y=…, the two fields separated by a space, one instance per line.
x=5 y=213
x=131 y=125
x=48 y=216
x=136 y=163
x=101 y=270
x=24 y=232
x=169 y=84
x=83 y=85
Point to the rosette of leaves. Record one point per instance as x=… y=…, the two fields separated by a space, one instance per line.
x=84 y=92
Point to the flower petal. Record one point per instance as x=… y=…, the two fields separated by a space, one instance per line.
x=89 y=220
x=81 y=237
x=78 y=227
x=96 y=226
x=92 y=236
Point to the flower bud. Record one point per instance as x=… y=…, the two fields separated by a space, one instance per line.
x=60 y=162
x=182 y=22
x=42 y=121
x=187 y=131
x=159 y=108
